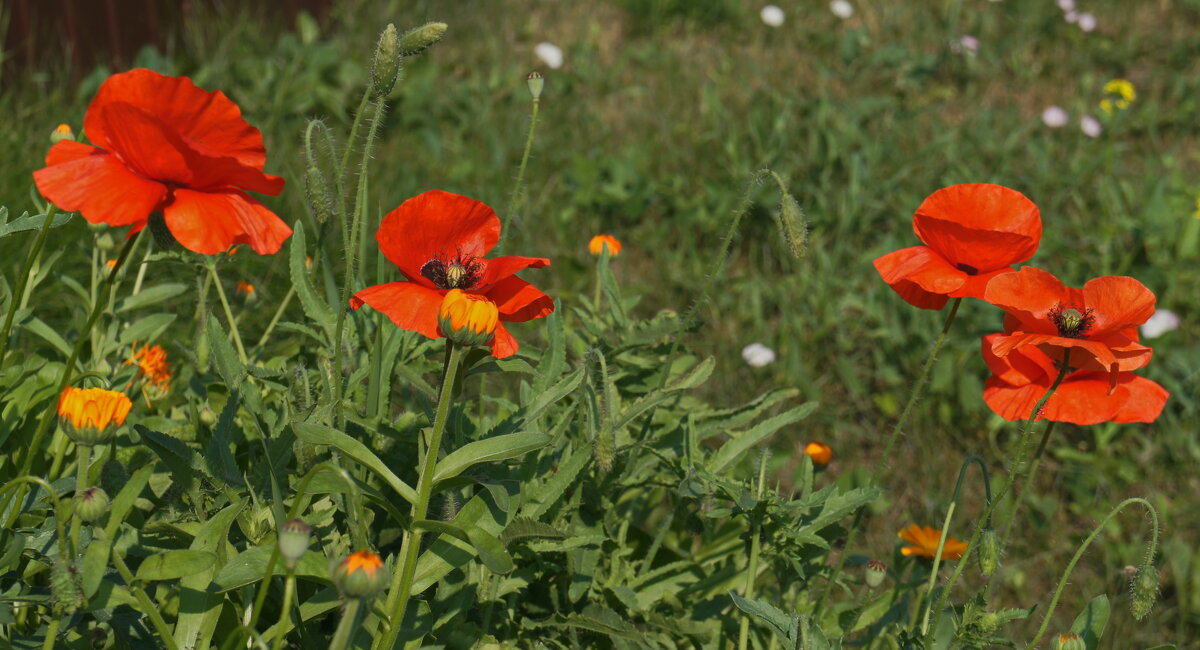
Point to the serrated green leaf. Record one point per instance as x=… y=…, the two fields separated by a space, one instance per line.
x=733 y=448
x=170 y=565
x=251 y=565
x=150 y=296
x=30 y=222
x=524 y=527
x=779 y=622
x=229 y=365
x=316 y=309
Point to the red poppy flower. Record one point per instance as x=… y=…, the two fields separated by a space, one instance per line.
x=1020 y=379
x=438 y=240
x=973 y=232
x=165 y=146
x=1098 y=322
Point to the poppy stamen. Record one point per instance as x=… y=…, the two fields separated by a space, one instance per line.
x=458 y=272
x=1072 y=323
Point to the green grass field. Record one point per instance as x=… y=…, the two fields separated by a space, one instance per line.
x=650 y=130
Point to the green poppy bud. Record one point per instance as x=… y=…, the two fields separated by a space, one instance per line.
x=1145 y=592
x=419 y=39
x=385 y=67
x=989 y=552
x=91 y=504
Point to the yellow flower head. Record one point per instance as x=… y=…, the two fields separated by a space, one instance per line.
x=468 y=318
x=152 y=364
x=924 y=542
x=600 y=242
x=90 y=415
x=820 y=452
x=1120 y=93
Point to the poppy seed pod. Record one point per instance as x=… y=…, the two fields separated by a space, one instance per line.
x=467 y=318
x=385 y=66
x=419 y=39
x=989 y=552
x=360 y=575
x=91 y=504
x=293 y=541
x=91 y=415
x=1069 y=641
x=536 y=83
x=876 y=572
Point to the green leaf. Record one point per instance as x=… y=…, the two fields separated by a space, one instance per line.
x=733 y=449
x=780 y=622
x=486 y=450
x=1092 y=620
x=170 y=565
x=524 y=527
x=229 y=365
x=493 y=554
x=146 y=297
x=322 y=435
x=199 y=610
x=316 y=309
x=251 y=565
x=30 y=222
x=555 y=355
x=95 y=559
x=146 y=329
x=543 y=498
x=35 y=325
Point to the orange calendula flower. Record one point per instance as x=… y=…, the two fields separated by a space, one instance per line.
x=90 y=415
x=112 y=264
x=820 y=452
x=62 y=132
x=359 y=575
x=151 y=361
x=924 y=542
x=245 y=288
x=601 y=242
x=467 y=318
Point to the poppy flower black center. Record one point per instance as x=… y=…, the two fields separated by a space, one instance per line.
x=967 y=268
x=1072 y=323
x=458 y=272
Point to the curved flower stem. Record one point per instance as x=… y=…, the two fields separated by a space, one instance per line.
x=19 y=290
x=34 y=448
x=233 y=329
x=1062 y=583
x=1017 y=471
x=917 y=392
x=755 y=548
x=147 y=606
x=402 y=579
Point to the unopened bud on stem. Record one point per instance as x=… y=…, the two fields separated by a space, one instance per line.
x=385 y=67
x=419 y=39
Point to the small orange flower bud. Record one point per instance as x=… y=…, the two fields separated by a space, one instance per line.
x=90 y=415
x=111 y=264
x=601 y=242
x=360 y=575
x=468 y=318
x=1069 y=641
x=62 y=132
x=245 y=288
x=820 y=452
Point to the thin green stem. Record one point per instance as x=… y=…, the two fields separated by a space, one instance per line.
x=1017 y=472
x=346 y=627
x=289 y=590
x=1062 y=583
x=937 y=563
x=752 y=567
x=514 y=197
x=599 y=282
x=917 y=392
x=287 y=299
x=84 y=453
x=402 y=580
x=52 y=633
x=1027 y=486
x=147 y=606
x=233 y=328
x=19 y=290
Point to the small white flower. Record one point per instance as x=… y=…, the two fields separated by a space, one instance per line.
x=758 y=355
x=1090 y=126
x=1066 y=5
x=969 y=44
x=841 y=8
x=1071 y=16
x=1087 y=22
x=550 y=54
x=771 y=15
x=1054 y=117
x=1160 y=323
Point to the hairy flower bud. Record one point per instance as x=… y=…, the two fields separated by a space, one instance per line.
x=1069 y=641
x=1145 y=592
x=360 y=575
x=989 y=622
x=294 y=537
x=419 y=39
x=467 y=318
x=91 y=504
x=989 y=552
x=876 y=572
x=385 y=67
x=536 y=83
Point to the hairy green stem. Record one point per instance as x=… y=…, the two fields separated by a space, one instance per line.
x=289 y=590
x=402 y=579
x=917 y=392
x=515 y=196
x=1062 y=583
x=1017 y=471
x=755 y=549
x=84 y=453
x=19 y=290
x=233 y=328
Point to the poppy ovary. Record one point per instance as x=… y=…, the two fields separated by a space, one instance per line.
x=461 y=272
x=1072 y=323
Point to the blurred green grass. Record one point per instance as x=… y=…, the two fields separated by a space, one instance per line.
x=649 y=132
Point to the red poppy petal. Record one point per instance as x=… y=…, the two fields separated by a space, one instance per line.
x=208 y=121
x=1146 y=400
x=503 y=344
x=917 y=277
x=502 y=267
x=979 y=225
x=1117 y=303
x=1028 y=295
x=97 y=185
x=976 y=285
x=1020 y=367
x=1082 y=398
x=517 y=300
x=211 y=222
x=1054 y=345
x=436 y=224
x=407 y=304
